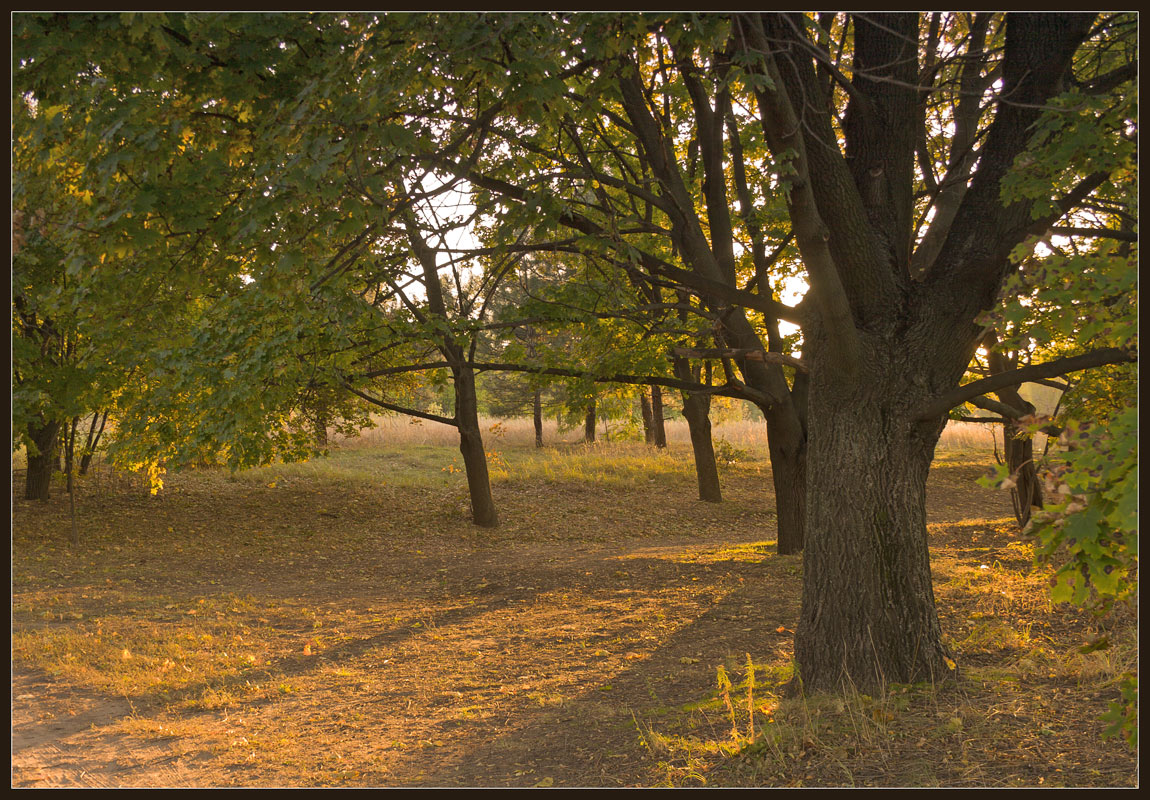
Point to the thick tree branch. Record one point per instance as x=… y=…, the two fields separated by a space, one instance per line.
x=783 y=131
x=1051 y=369
x=1096 y=233
x=411 y=412
x=737 y=352
x=734 y=389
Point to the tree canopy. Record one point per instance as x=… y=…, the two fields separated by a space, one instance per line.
x=283 y=203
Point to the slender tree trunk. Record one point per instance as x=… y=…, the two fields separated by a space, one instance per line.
x=75 y=529
x=321 y=427
x=471 y=448
x=696 y=410
x=70 y=452
x=648 y=417
x=38 y=482
x=868 y=612
x=589 y=424
x=94 y=434
x=537 y=417
x=657 y=416
x=787 y=445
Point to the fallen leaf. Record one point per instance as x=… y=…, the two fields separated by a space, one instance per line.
x=546 y=782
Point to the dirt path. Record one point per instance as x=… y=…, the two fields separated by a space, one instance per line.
x=523 y=686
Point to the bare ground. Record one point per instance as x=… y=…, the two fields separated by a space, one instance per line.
x=230 y=633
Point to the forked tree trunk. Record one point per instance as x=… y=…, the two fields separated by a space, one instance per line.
x=1027 y=492
x=657 y=416
x=589 y=424
x=1019 y=447
x=537 y=417
x=648 y=417
x=94 y=434
x=471 y=448
x=38 y=481
x=868 y=613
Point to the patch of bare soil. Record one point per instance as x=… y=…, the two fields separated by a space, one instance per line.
x=235 y=634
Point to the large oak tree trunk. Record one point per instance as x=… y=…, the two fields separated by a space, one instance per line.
x=868 y=612
x=38 y=482
x=471 y=448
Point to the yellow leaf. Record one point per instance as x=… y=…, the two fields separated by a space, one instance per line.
x=126 y=655
x=546 y=782
x=307 y=649
x=950 y=663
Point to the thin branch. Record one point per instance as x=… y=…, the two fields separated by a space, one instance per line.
x=1096 y=233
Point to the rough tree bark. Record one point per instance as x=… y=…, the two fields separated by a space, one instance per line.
x=38 y=481
x=868 y=613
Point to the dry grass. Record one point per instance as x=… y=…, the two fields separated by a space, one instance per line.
x=390 y=431
x=339 y=622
